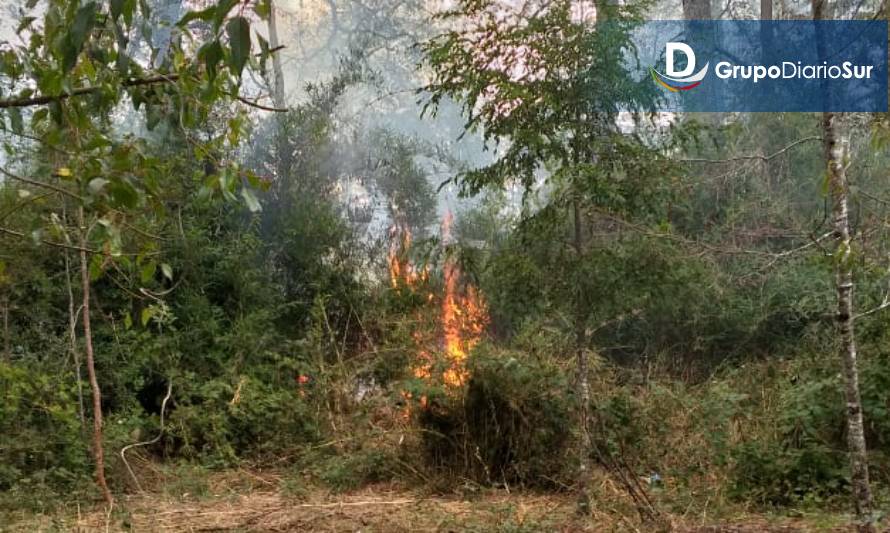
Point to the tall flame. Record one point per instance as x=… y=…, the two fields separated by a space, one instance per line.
x=463 y=313
x=401 y=271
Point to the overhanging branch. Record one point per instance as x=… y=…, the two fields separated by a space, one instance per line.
x=756 y=157
x=48 y=99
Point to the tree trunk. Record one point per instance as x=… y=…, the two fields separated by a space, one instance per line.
x=837 y=179
x=7 y=351
x=72 y=340
x=583 y=385
x=696 y=9
x=834 y=152
x=98 y=451
x=282 y=167
x=278 y=96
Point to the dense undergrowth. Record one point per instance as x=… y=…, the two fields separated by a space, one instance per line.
x=764 y=435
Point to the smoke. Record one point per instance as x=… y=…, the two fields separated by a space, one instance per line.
x=317 y=34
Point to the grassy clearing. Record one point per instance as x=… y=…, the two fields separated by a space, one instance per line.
x=244 y=500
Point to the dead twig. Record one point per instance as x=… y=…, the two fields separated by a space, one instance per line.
x=147 y=442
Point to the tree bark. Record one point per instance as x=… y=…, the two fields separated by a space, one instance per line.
x=834 y=153
x=98 y=450
x=837 y=179
x=7 y=351
x=72 y=340
x=583 y=385
x=696 y=9
x=282 y=166
x=278 y=74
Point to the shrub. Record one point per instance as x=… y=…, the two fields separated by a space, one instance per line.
x=42 y=445
x=510 y=424
x=252 y=417
x=769 y=473
x=805 y=457
x=343 y=473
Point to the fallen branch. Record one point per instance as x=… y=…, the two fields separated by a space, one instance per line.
x=191 y=511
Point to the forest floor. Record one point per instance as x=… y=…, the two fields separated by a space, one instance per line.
x=264 y=504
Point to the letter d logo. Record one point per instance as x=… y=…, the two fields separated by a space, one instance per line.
x=679 y=80
x=670 y=49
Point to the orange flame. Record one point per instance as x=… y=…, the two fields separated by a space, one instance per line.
x=400 y=267
x=463 y=314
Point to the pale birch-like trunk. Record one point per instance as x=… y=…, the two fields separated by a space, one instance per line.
x=837 y=181
x=834 y=153
x=98 y=450
x=696 y=9
x=7 y=349
x=280 y=101
x=72 y=340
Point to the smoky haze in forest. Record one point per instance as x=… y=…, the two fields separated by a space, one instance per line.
x=317 y=35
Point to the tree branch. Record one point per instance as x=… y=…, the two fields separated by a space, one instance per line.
x=63 y=246
x=47 y=99
x=254 y=103
x=884 y=304
x=41 y=184
x=754 y=157
x=147 y=442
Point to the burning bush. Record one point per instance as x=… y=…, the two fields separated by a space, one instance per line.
x=510 y=424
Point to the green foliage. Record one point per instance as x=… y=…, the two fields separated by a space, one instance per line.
x=342 y=473
x=43 y=448
x=548 y=81
x=511 y=425
x=805 y=458
x=225 y=423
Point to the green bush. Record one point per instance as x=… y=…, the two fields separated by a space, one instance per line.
x=511 y=424
x=348 y=472
x=42 y=445
x=769 y=473
x=226 y=422
x=805 y=458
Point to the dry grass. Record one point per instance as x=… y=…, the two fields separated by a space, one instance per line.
x=243 y=500
x=368 y=510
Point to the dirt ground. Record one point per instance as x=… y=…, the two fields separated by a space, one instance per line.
x=252 y=502
x=372 y=511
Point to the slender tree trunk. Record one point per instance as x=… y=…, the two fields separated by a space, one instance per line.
x=98 y=450
x=278 y=96
x=7 y=351
x=837 y=179
x=834 y=153
x=583 y=385
x=72 y=340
